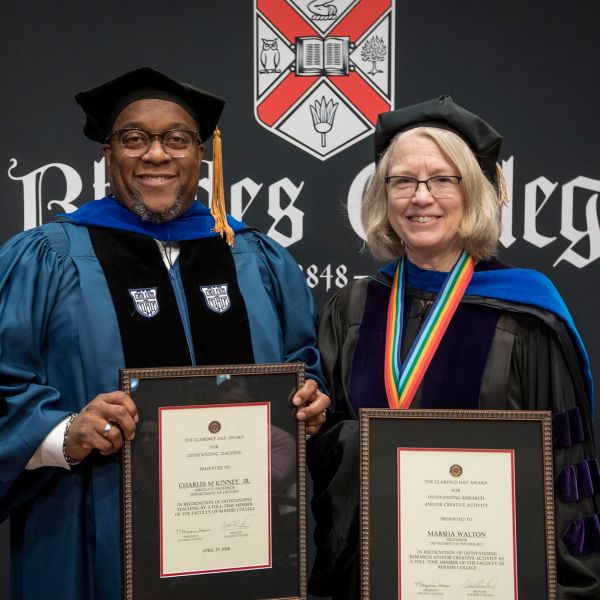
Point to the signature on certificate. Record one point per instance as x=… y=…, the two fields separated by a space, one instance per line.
x=423 y=584
x=239 y=523
x=482 y=583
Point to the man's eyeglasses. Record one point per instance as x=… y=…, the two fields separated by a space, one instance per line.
x=136 y=142
x=440 y=186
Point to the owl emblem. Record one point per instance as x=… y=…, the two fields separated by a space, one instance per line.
x=269 y=56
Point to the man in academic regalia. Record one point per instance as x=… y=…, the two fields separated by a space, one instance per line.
x=126 y=281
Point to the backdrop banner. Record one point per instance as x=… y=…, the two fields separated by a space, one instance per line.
x=304 y=81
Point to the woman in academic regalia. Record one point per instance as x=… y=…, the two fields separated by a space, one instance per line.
x=433 y=208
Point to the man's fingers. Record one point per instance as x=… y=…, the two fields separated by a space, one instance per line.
x=119 y=416
x=103 y=424
x=316 y=405
x=121 y=399
x=313 y=425
x=112 y=439
x=305 y=393
x=117 y=408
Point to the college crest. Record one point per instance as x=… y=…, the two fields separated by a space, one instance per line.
x=323 y=70
x=145 y=301
x=217 y=297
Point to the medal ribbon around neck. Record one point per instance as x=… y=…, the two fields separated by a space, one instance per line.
x=403 y=380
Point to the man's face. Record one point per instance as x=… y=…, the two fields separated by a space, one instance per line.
x=155 y=185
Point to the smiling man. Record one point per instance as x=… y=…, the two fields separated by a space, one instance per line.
x=146 y=277
x=157 y=181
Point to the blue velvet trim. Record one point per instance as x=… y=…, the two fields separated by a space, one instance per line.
x=583 y=536
x=495 y=280
x=578 y=481
x=195 y=223
x=568 y=429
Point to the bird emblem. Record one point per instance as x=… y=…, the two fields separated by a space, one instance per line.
x=269 y=56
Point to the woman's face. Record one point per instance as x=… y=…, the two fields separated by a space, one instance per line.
x=428 y=226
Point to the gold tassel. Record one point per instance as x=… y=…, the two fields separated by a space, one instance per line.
x=502 y=193
x=217 y=206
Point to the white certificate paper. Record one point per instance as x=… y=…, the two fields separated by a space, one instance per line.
x=456 y=524
x=215 y=497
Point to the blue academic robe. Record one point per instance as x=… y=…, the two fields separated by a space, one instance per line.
x=60 y=346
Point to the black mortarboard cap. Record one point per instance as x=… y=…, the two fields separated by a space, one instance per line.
x=103 y=103
x=442 y=112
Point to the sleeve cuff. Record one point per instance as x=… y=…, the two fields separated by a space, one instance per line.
x=50 y=451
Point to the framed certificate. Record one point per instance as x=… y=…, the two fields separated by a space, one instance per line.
x=214 y=484
x=457 y=505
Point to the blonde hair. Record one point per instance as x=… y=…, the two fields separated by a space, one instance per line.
x=480 y=227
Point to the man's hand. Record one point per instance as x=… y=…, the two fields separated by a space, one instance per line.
x=103 y=424
x=312 y=406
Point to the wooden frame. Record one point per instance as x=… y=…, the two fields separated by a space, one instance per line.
x=158 y=392
x=525 y=434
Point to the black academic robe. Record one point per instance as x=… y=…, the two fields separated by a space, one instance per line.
x=495 y=355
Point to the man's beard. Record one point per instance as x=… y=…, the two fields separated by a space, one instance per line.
x=171 y=213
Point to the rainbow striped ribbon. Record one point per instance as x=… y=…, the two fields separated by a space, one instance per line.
x=403 y=380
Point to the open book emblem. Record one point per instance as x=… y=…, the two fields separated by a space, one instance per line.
x=323 y=70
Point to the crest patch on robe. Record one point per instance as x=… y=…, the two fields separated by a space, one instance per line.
x=145 y=301
x=217 y=297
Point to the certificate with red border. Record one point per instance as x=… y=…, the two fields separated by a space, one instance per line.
x=214 y=487
x=457 y=505
x=214 y=484
x=456 y=524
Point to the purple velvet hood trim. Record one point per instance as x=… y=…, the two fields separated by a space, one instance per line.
x=568 y=429
x=583 y=536
x=578 y=481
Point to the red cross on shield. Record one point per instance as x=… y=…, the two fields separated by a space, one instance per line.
x=323 y=70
